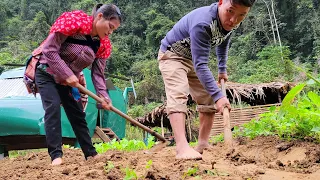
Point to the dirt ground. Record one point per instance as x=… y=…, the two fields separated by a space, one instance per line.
x=264 y=158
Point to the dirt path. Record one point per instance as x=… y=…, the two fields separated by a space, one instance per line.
x=257 y=159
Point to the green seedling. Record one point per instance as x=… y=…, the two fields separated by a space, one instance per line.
x=67 y=146
x=214 y=172
x=130 y=174
x=108 y=167
x=191 y=172
x=124 y=145
x=149 y=164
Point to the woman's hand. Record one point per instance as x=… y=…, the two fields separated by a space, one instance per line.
x=72 y=81
x=106 y=104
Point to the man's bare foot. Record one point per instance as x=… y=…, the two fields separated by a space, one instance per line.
x=56 y=162
x=188 y=154
x=201 y=147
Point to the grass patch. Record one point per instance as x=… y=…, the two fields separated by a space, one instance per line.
x=18 y=153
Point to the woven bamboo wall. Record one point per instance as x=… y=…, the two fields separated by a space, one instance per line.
x=239 y=116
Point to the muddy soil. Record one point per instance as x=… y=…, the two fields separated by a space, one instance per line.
x=263 y=158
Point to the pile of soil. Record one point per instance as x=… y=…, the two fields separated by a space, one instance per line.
x=263 y=158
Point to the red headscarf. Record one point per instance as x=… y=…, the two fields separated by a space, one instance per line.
x=78 y=22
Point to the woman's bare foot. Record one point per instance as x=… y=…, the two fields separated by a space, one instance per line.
x=56 y=162
x=97 y=156
x=188 y=153
x=201 y=147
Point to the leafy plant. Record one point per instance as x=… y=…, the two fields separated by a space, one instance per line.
x=193 y=144
x=124 y=145
x=216 y=138
x=215 y=172
x=67 y=146
x=191 y=172
x=149 y=164
x=140 y=110
x=130 y=174
x=297 y=117
x=109 y=166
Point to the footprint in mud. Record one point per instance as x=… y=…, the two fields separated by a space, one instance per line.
x=238 y=158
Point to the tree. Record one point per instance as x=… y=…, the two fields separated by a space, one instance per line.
x=37 y=30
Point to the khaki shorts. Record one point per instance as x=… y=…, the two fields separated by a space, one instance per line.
x=180 y=80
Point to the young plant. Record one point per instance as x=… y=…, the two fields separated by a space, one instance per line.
x=130 y=174
x=297 y=117
x=217 y=138
x=67 y=146
x=149 y=164
x=124 y=145
x=108 y=167
x=191 y=172
x=214 y=172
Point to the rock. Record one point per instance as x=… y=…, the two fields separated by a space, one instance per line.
x=284 y=146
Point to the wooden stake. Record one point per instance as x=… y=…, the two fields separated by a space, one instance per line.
x=226 y=120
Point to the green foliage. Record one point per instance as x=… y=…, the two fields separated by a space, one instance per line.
x=133 y=132
x=67 y=146
x=150 y=83
x=291 y=95
x=124 y=145
x=217 y=138
x=158 y=26
x=140 y=110
x=294 y=119
x=130 y=174
x=267 y=68
x=215 y=172
x=36 y=31
x=193 y=144
x=85 y=5
x=21 y=153
x=253 y=56
x=108 y=167
x=193 y=171
x=149 y=164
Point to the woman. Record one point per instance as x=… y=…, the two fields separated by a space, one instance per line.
x=76 y=41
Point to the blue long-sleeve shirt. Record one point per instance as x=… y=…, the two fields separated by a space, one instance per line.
x=193 y=36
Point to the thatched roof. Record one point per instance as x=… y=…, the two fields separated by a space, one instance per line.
x=258 y=94
x=159 y=115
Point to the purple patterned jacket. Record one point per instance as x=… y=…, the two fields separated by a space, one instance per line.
x=65 y=59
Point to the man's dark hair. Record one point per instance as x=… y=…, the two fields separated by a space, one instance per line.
x=247 y=3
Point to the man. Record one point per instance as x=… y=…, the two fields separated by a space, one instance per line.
x=183 y=62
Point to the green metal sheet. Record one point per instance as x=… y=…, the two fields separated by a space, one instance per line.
x=24 y=115
x=20 y=116
x=113 y=120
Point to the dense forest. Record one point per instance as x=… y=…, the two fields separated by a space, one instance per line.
x=275 y=33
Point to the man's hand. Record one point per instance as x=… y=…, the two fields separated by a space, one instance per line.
x=222 y=103
x=223 y=76
x=72 y=81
